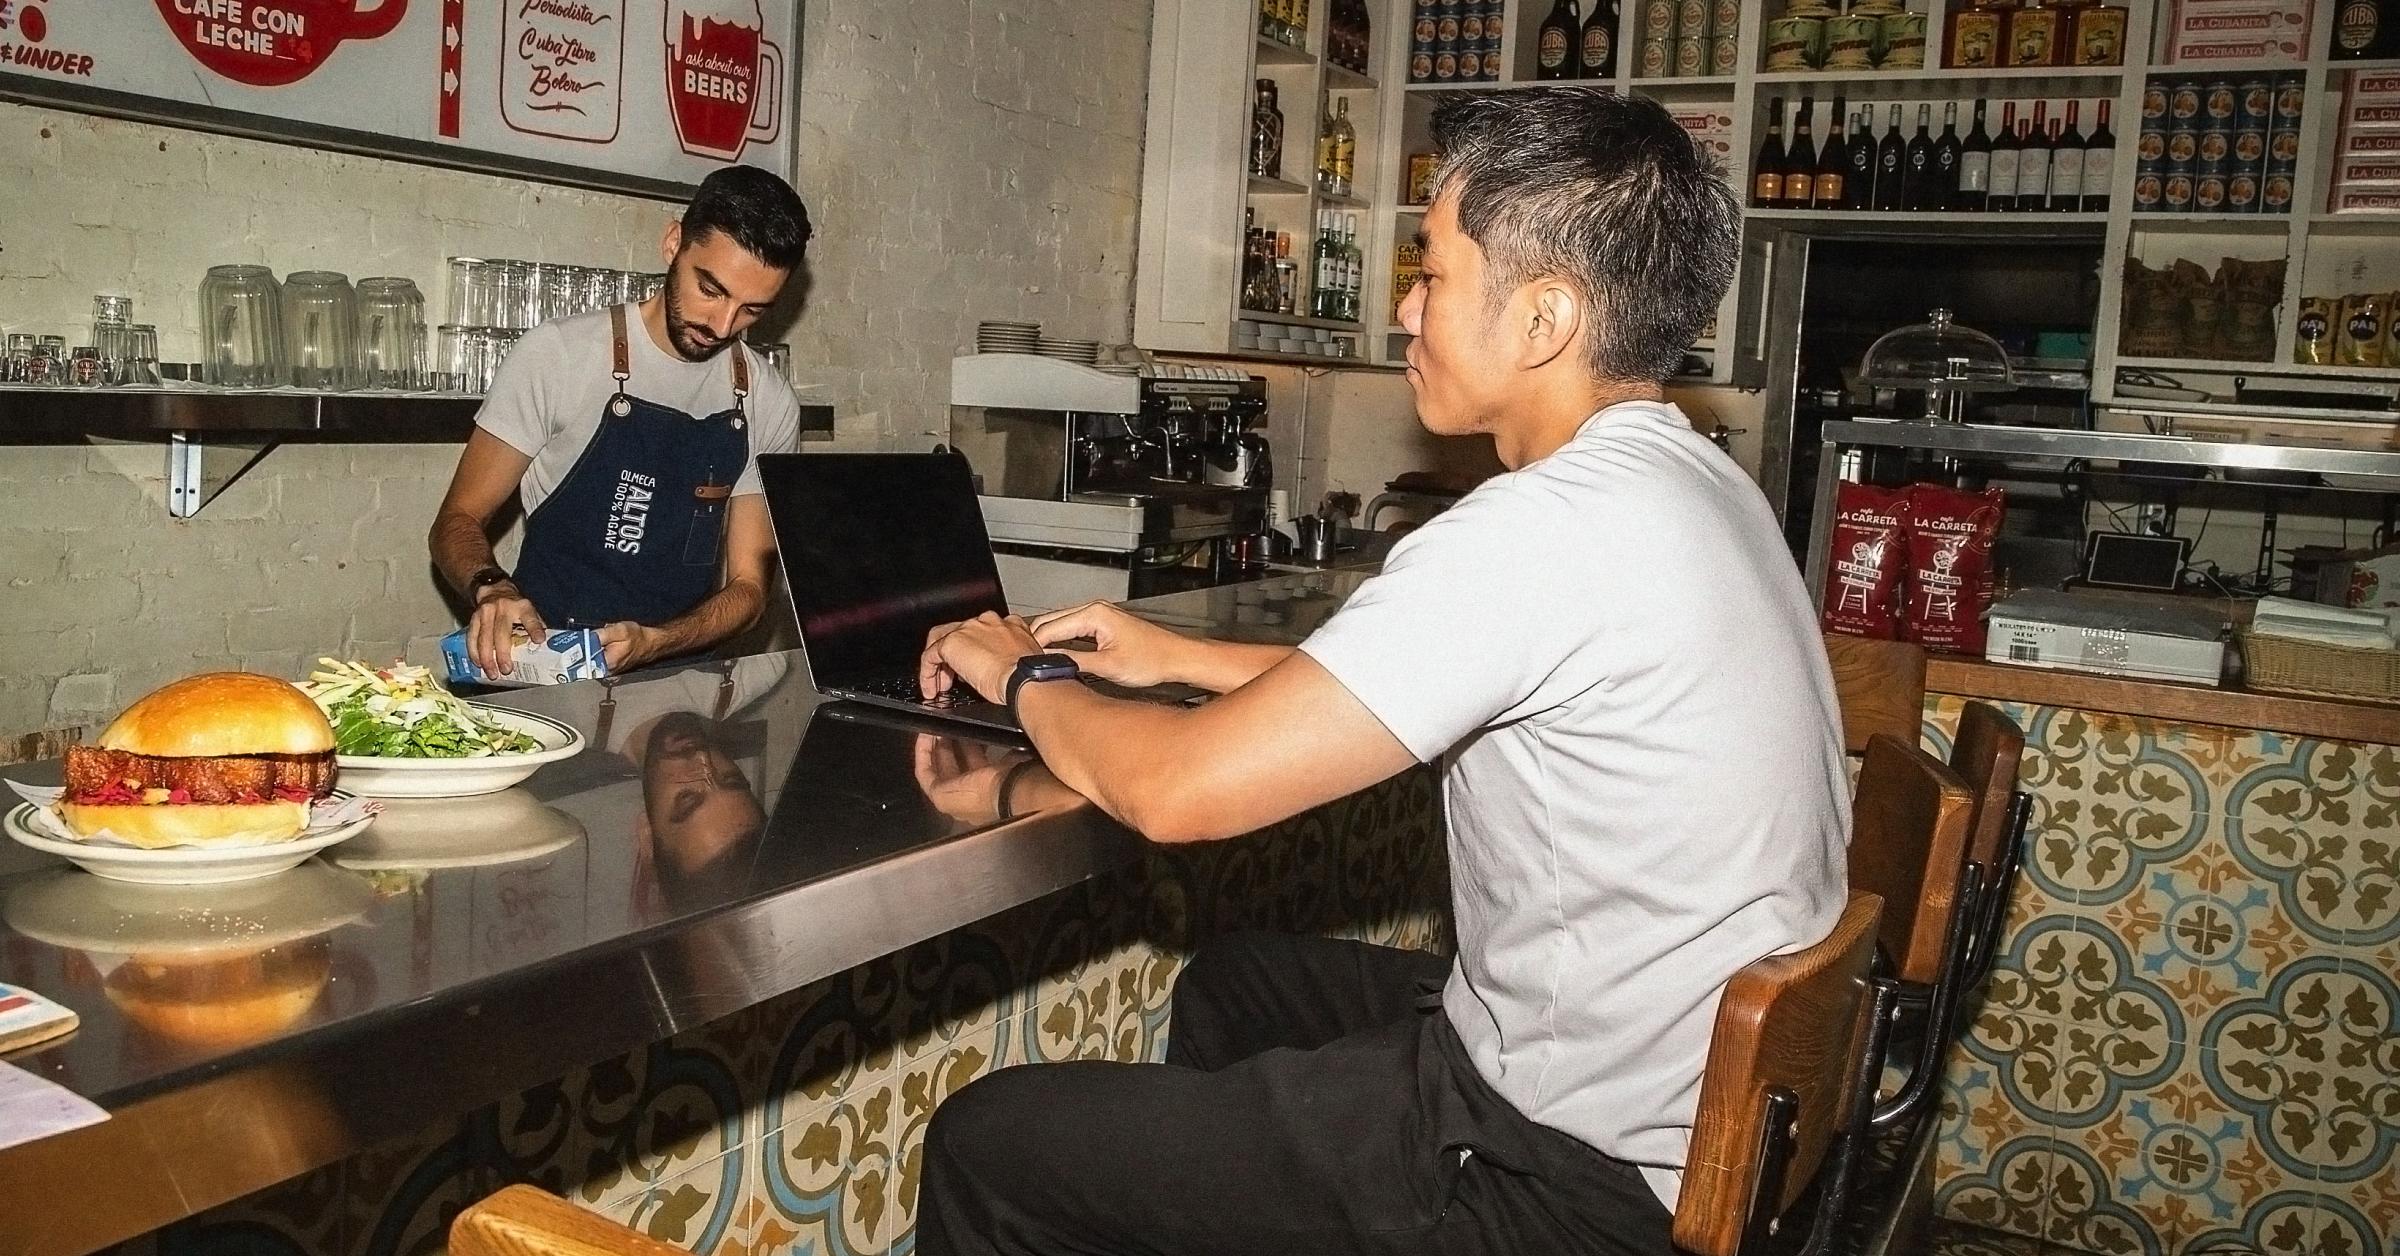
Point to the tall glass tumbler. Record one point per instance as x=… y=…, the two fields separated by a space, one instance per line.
x=391 y=334
x=320 y=330
x=241 y=327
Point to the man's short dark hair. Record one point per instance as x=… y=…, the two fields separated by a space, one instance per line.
x=1605 y=192
x=759 y=211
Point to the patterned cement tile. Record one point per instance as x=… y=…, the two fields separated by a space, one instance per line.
x=929 y=1082
x=696 y=1208
x=827 y=1176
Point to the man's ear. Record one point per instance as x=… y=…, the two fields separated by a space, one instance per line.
x=1549 y=322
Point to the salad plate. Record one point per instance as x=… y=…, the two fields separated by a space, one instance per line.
x=399 y=734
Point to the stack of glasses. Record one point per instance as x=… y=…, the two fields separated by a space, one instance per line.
x=495 y=300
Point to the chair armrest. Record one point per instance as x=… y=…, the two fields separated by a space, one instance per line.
x=526 y=1221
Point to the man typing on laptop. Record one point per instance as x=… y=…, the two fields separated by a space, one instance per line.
x=1610 y=653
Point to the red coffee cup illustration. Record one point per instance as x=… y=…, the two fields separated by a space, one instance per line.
x=272 y=43
x=724 y=79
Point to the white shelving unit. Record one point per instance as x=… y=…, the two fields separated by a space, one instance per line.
x=1206 y=54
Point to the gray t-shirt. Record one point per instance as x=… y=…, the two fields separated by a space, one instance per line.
x=1612 y=655
x=548 y=396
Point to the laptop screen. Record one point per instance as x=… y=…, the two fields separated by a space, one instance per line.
x=878 y=550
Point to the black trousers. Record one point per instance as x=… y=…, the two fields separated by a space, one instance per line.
x=1314 y=1101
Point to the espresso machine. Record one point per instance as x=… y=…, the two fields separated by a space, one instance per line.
x=1097 y=485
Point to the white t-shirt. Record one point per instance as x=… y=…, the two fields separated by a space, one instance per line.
x=547 y=397
x=1613 y=655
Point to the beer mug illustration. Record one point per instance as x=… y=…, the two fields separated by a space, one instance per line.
x=724 y=79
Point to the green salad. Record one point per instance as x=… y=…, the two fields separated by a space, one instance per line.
x=401 y=712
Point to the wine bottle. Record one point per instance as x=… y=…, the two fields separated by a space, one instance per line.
x=1916 y=167
x=1858 y=188
x=2033 y=162
x=1833 y=164
x=1946 y=150
x=1766 y=172
x=2007 y=158
x=1890 y=156
x=2099 y=164
x=2066 y=166
x=1800 y=165
x=1974 y=167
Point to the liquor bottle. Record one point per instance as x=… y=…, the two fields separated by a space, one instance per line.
x=1974 y=167
x=1345 y=149
x=1946 y=150
x=1354 y=269
x=1325 y=151
x=1833 y=165
x=2007 y=159
x=1890 y=156
x=1916 y=167
x=1287 y=275
x=2099 y=164
x=1554 y=48
x=2364 y=29
x=2066 y=166
x=1266 y=133
x=1766 y=172
x=1320 y=271
x=2033 y=163
x=1858 y=188
x=1597 y=58
x=1800 y=165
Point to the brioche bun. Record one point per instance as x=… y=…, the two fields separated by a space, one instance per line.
x=189 y=824
x=221 y=713
x=221 y=1000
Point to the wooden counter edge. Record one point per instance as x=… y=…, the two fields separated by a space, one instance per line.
x=2329 y=718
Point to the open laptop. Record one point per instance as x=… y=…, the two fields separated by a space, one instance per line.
x=878 y=550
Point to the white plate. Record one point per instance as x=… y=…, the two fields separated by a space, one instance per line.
x=379 y=776
x=496 y=828
x=176 y=865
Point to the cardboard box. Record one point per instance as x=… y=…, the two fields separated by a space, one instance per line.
x=2358 y=173
x=2374 y=85
x=566 y=654
x=1710 y=126
x=2370 y=116
x=2364 y=201
x=2364 y=578
x=2370 y=144
x=2201 y=32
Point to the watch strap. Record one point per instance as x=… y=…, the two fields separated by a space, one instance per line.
x=1037 y=667
x=486 y=576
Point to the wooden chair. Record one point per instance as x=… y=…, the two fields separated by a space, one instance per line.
x=1783 y=1100
x=1880 y=686
x=527 y=1221
x=1988 y=753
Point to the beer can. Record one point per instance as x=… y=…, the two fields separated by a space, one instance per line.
x=2183 y=148
x=2216 y=150
x=1445 y=38
x=2149 y=191
x=1420 y=64
x=1658 y=20
x=2154 y=102
x=2291 y=97
x=1421 y=35
x=1657 y=58
x=2183 y=101
x=1724 y=54
x=2208 y=193
x=1903 y=41
x=2150 y=148
x=1691 y=18
x=2220 y=100
x=2177 y=198
x=2241 y=193
x=2250 y=149
x=1725 y=19
x=1470 y=65
x=1470 y=29
x=2275 y=194
x=2256 y=102
x=1850 y=41
x=1445 y=66
x=1691 y=56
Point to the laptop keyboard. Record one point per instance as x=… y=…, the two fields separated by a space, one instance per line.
x=904 y=689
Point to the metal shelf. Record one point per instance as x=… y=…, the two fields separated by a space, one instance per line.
x=1276 y=52
x=1261 y=185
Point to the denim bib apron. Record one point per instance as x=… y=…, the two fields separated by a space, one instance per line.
x=636 y=529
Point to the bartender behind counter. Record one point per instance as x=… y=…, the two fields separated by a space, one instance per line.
x=632 y=437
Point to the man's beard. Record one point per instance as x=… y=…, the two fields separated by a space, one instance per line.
x=694 y=344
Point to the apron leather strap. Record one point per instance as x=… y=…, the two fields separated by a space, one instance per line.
x=621 y=362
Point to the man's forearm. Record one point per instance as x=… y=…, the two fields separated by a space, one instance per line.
x=460 y=548
x=727 y=611
x=1224 y=666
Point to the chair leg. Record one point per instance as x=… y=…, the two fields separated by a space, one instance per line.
x=1995 y=908
x=1940 y=1014
x=1850 y=1148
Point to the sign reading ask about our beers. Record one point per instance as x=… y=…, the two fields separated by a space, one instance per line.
x=647 y=95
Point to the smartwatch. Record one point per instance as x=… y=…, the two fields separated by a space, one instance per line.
x=486 y=576
x=1040 y=667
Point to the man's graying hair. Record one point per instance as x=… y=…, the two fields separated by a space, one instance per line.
x=1605 y=192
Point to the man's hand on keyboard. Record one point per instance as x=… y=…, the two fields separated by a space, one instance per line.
x=980 y=653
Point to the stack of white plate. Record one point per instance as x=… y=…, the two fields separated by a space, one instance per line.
x=1080 y=352
x=1006 y=337
x=1121 y=368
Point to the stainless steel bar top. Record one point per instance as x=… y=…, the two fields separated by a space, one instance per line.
x=728 y=836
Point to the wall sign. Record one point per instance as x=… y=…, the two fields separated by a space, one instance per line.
x=635 y=95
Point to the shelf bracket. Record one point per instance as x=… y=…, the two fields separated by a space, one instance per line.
x=199 y=469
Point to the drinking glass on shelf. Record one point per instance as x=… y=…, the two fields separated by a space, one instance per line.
x=49 y=362
x=473 y=298
x=111 y=310
x=391 y=334
x=450 y=359
x=141 y=355
x=17 y=357
x=84 y=369
x=241 y=327
x=516 y=306
x=320 y=329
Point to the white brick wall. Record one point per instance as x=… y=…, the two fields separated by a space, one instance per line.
x=963 y=159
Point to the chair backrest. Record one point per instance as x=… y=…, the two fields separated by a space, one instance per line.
x=526 y=1221
x=1880 y=686
x=1789 y=1031
x=1987 y=753
x=1908 y=839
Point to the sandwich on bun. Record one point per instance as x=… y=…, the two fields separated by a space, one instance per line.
x=223 y=758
